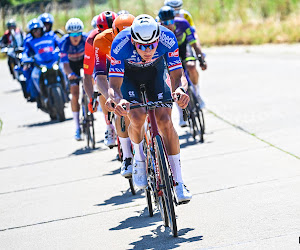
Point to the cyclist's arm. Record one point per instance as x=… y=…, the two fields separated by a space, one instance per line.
x=114 y=91
x=102 y=85
x=179 y=86
x=178 y=80
x=68 y=71
x=88 y=85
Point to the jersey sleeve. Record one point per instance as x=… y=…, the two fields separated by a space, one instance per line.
x=172 y=50
x=118 y=53
x=89 y=56
x=64 y=50
x=190 y=34
x=102 y=50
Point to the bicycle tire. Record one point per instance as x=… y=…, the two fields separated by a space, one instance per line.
x=132 y=189
x=58 y=103
x=89 y=125
x=149 y=201
x=196 y=119
x=166 y=183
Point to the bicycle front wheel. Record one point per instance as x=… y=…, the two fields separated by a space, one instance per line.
x=166 y=183
x=89 y=125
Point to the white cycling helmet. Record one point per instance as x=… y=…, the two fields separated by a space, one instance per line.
x=74 y=25
x=173 y=3
x=144 y=29
x=94 y=22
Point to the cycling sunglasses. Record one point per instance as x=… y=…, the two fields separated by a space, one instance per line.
x=168 y=22
x=75 y=34
x=143 y=47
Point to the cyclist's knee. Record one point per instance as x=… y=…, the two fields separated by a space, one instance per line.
x=164 y=121
x=137 y=118
x=191 y=66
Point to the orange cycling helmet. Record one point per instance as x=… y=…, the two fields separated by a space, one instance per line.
x=105 y=20
x=122 y=22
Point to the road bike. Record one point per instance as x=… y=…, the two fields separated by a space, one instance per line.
x=196 y=117
x=87 y=118
x=161 y=186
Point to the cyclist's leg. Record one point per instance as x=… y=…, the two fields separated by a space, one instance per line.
x=137 y=118
x=190 y=60
x=74 y=89
x=110 y=133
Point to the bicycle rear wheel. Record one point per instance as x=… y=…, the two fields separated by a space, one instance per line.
x=167 y=184
x=89 y=124
x=196 y=119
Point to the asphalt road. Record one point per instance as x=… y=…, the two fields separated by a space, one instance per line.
x=245 y=178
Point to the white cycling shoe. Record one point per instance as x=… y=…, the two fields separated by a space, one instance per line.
x=110 y=138
x=139 y=175
x=126 y=169
x=183 y=195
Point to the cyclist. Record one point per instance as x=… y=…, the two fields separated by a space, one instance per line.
x=72 y=54
x=187 y=43
x=42 y=45
x=94 y=22
x=104 y=21
x=142 y=53
x=102 y=45
x=48 y=21
x=13 y=37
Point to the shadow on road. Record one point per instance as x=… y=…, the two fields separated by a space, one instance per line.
x=125 y=197
x=114 y=172
x=39 y=124
x=86 y=150
x=141 y=220
x=12 y=91
x=161 y=238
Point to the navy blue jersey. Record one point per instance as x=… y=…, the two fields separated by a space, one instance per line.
x=123 y=51
x=70 y=52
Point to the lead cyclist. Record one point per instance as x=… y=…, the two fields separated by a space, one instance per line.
x=143 y=53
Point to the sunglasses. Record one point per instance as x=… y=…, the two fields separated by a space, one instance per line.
x=75 y=34
x=35 y=30
x=168 y=22
x=143 y=47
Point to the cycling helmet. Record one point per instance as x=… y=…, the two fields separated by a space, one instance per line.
x=105 y=20
x=144 y=29
x=46 y=18
x=174 y=3
x=122 y=22
x=123 y=12
x=11 y=23
x=35 y=24
x=166 y=13
x=74 y=25
x=94 y=22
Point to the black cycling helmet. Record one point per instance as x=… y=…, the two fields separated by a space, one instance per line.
x=166 y=13
x=11 y=23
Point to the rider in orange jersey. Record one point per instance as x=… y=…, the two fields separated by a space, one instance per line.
x=103 y=22
x=102 y=46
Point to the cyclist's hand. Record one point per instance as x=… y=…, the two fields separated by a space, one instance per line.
x=90 y=106
x=181 y=98
x=109 y=104
x=119 y=109
x=202 y=61
x=72 y=76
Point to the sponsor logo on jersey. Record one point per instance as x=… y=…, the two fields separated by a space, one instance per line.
x=45 y=50
x=117 y=49
x=113 y=61
x=160 y=96
x=97 y=55
x=174 y=53
x=131 y=93
x=166 y=40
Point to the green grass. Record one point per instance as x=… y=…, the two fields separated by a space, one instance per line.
x=218 y=22
x=1 y=124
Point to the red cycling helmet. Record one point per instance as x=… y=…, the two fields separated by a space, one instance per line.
x=105 y=20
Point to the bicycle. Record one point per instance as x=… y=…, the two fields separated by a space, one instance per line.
x=87 y=119
x=196 y=117
x=159 y=174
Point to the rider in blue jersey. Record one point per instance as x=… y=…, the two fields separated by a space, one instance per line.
x=144 y=53
x=40 y=45
x=72 y=55
x=189 y=47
